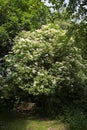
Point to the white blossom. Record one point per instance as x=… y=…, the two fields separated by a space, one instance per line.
x=35 y=82
x=22 y=39
x=40 y=74
x=42 y=86
x=33 y=71
x=54 y=81
x=36 y=63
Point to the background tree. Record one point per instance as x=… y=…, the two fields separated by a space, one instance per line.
x=19 y=15
x=74 y=7
x=77 y=11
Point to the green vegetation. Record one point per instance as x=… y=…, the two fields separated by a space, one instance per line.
x=17 y=122
x=19 y=15
x=43 y=60
x=43 y=64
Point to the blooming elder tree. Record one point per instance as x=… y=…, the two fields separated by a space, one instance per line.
x=44 y=62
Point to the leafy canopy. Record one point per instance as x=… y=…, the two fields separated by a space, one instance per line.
x=19 y=15
x=77 y=8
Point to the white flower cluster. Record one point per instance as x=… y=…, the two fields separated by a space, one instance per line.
x=49 y=31
x=39 y=58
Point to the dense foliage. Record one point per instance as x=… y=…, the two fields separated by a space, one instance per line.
x=43 y=63
x=43 y=58
x=75 y=8
x=77 y=11
x=19 y=15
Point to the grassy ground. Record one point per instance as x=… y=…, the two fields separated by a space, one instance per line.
x=10 y=121
x=45 y=125
x=15 y=121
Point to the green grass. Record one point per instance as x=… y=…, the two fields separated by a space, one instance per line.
x=9 y=121
x=14 y=121
x=45 y=125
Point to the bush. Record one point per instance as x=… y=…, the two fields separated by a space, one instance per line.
x=44 y=63
x=78 y=121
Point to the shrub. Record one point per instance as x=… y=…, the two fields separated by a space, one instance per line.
x=44 y=63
